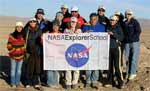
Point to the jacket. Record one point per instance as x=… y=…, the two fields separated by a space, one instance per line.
x=117 y=36
x=16 y=47
x=81 y=20
x=33 y=40
x=133 y=31
x=103 y=20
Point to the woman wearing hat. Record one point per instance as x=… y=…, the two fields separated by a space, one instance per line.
x=102 y=18
x=33 y=48
x=75 y=13
x=72 y=80
x=65 y=11
x=132 y=44
x=16 y=49
x=53 y=76
x=116 y=35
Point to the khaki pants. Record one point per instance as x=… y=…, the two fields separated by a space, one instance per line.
x=72 y=77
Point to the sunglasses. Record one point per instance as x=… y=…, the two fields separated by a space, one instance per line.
x=101 y=10
x=63 y=8
x=112 y=20
x=32 y=21
x=73 y=22
x=74 y=11
x=129 y=14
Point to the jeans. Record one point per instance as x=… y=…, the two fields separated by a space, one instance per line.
x=92 y=76
x=52 y=78
x=15 y=71
x=132 y=55
x=72 y=79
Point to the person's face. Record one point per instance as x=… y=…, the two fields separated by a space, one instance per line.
x=73 y=24
x=94 y=20
x=101 y=12
x=74 y=13
x=128 y=16
x=32 y=24
x=19 y=28
x=64 y=10
x=40 y=16
x=59 y=17
x=55 y=28
x=113 y=22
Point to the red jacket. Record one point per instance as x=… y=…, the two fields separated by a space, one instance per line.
x=81 y=20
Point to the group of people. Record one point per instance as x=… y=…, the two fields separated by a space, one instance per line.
x=25 y=45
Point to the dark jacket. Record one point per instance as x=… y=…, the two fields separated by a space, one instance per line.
x=33 y=41
x=132 y=34
x=103 y=20
x=117 y=36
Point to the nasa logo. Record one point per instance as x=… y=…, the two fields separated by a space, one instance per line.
x=77 y=55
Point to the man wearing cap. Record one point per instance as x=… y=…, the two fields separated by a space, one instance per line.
x=116 y=35
x=102 y=18
x=93 y=26
x=42 y=23
x=132 y=44
x=65 y=11
x=75 y=13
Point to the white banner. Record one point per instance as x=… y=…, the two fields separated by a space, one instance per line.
x=85 y=51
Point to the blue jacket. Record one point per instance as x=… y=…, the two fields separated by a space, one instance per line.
x=132 y=34
x=97 y=28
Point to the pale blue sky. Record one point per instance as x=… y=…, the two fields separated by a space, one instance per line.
x=27 y=8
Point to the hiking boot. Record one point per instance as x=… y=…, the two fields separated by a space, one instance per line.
x=68 y=86
x=38 y=87
x=132 y=77
x=87 y=85
x=19 y=86
x=107 y=85
x=13 y=86
x=75 y=86
x=95 y=85
x=27 y=86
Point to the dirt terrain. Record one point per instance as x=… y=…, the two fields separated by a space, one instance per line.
x=141 y=83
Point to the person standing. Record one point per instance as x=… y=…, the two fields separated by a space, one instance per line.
x=92 y=76
x=65 y=11
x=102 y=19
x=116 y=36
x=75 y=13
x=132 y=44
x=33 y=49
x=16 y=49
x=72 y=77
x=53 y=76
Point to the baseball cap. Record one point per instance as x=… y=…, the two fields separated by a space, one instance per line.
x=19 y=24
x=64 y=6
x=32 y=19
x=101 y=7
x=74 y=19
x=113 y=17
x=74 y=8
x=40 y=11
x=56 y=22
x=129 y=11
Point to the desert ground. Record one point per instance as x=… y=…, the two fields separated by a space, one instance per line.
x=141 y=83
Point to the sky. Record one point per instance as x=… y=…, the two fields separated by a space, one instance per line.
x=27 y=8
